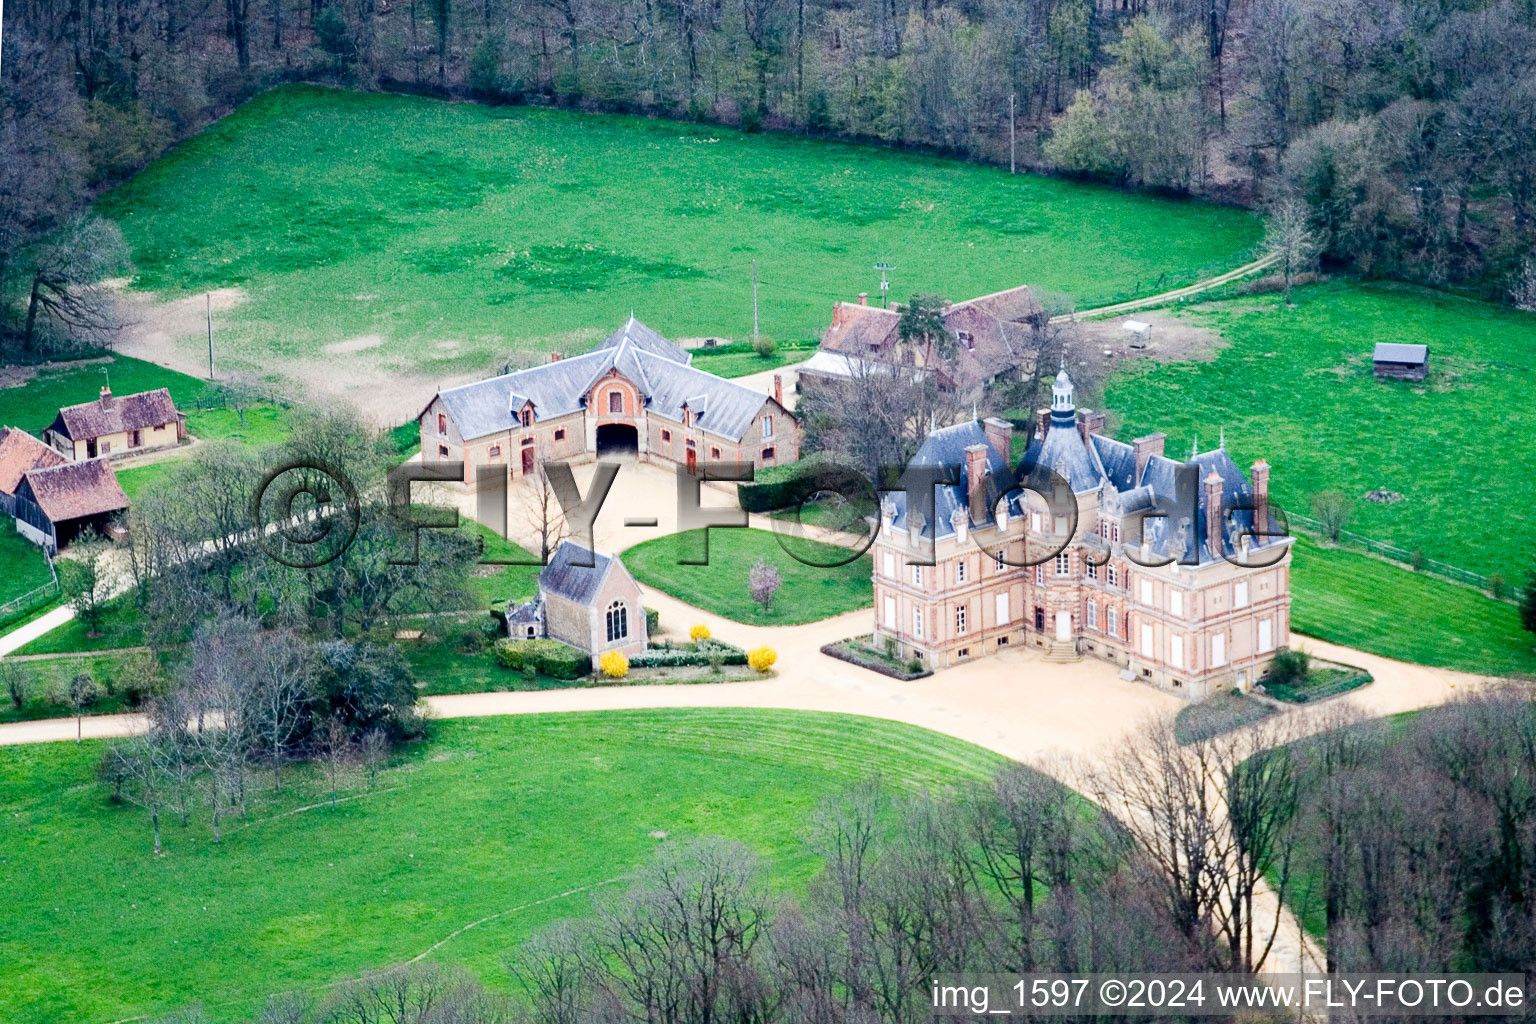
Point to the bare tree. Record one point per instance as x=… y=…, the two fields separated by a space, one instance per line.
x=141 y=760
x=335 y=756
x=1523 y=291
x=763 y=582
x=1288 y=235
x=279 y=665
x=16 y=682
x=66 y=295
x=83 y=694
x=544 y=514
x=1332 y=510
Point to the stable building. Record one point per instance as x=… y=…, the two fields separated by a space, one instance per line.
x=634 y=395
x=112 y=427
x=20 y=453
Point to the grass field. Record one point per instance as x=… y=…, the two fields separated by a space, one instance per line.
x=493 y=814
x=457 y=232
x=1363 y=602
x=809 y=592
x=22 y=565
x=1296 y=387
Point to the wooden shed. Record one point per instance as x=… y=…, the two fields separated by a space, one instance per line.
x=1401 y=362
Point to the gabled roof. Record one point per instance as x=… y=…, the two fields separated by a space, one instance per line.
x=635 y=352
x=111 y=414
x=20 y=452
x=565 y=578
x=76 y=490
x=1394 y=352
x=645 y=339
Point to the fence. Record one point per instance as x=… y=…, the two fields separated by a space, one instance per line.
x=1393 y=553
x=32 y=597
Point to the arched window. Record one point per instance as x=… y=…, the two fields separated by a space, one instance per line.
x=618 y=621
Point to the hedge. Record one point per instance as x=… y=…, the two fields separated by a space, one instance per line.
x=652 y=622
x=779 y=487
x=551 y=657
x=697 y=654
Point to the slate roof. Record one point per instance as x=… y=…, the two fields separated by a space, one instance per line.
x=578 y=583
x=20 y=452
x=945 y=450
x=76 y=490
x=1108 y=466
x=657 y=367
x=111 y=414
x=1393 y=352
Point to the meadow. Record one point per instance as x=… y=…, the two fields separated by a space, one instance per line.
x=450 y=234
x=1295 y=386
x=528 y=818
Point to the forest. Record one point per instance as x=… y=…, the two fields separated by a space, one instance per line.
x=1406 y=127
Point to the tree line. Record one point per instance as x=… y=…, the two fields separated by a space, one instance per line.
x=1406 y=129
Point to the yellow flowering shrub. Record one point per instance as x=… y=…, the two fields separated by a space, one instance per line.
x=699 y=632
x=614 y=665
x=762 y=658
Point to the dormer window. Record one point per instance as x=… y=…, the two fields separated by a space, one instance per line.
x=967 y=340
x=527 y=417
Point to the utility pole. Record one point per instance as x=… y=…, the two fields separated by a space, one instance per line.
x=208 y=311
x=754 y=303
x=885 y=285
x=1012 y=137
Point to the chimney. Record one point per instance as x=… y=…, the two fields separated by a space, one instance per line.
x=1261 y=500
x=1089 y=423
x=1042 y=421
x=999 y=436
x=555 y=357
x=778 y=389
x=837 y=315
x=106 y=397
x=1143 y=448
x=1213 y=513
x=976 y=481
x=863 y=298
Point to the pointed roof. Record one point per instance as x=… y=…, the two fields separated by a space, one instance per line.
x=645 y=339
x=566 y=577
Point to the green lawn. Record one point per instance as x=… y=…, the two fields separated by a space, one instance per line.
x=23 y=567
x=457 y=232
x=739 y=359
x=809 y=592
x=493 y=814
x=1295 y=387
x=1363 y=602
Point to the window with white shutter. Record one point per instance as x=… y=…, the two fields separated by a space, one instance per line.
x=1003 y=613
x=1266 y=637
x=1176 y=650
x=1218 y=650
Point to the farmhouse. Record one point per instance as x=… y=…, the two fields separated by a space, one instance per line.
x=54 y=505
x=992 y=338
x=587 y=600
x=20 y=452
x=633 y=395
x=1402 y=362
x=113 y=426
x=1195 y=624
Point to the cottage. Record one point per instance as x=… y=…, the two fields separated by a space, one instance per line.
x=593 y=607
x=1195 y=602
x=113 y=427
x=54 y=505
x=20 y=452
x=634 y=395
x=1401 y=362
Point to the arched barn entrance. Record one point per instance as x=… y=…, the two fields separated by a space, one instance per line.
x=617 y=441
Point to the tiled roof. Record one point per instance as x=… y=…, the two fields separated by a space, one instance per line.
x=20 y=452
x=76 y=490
x=991 y=331
x=111 y=414
x=565 y=578
x=653 y=364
